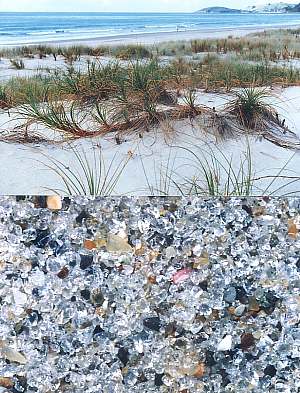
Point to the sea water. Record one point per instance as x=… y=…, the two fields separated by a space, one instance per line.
x=24 y=28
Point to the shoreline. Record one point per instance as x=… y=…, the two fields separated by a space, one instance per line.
x=155 y=37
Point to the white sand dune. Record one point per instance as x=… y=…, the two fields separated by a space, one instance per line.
x=22 y=170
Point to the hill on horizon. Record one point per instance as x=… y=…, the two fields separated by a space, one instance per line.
x=279 y=7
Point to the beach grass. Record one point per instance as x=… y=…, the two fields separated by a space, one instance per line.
x=216 y=174
x=108 y=80
x=5 y=102
x=252 y=111
x=134 y=90
x=19 y=90
x=135 y=98
x=56 y=116
x=272 y=45
x=90 y=176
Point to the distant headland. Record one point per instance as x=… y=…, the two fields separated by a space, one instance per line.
x=271 y=8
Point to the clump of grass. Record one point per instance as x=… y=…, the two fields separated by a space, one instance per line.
x=4 y=98
x=99 y=82
x=18 y=90
x=250 y=109
x=219 y=175
x=102 y=80
x=190 y=100
x=91 y=176
x=69 y=82
x=220 y=74
x=215 y=174
x=17 y=64
x=99 y=51
x=131 y=52
x=55 y=116
x=71 y=54
x=142 y=76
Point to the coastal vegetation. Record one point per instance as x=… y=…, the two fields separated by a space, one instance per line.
x=118 y=98
x=125 y=90
x=271 y=45
x=216 y=174
x=92 y=177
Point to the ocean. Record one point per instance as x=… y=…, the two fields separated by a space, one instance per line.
x=24 y=28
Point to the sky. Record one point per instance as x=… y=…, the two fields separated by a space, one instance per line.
x=123 y=5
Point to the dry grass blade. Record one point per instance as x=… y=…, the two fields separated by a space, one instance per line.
x=56 y=116
x=163 y=176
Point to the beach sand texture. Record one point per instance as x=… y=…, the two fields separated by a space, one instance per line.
x=23 y=166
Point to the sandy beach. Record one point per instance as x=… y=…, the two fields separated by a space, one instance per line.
x=28 y=173
x=168 y=149
x=157 y=38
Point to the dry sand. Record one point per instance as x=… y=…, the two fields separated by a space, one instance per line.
x=21 y=170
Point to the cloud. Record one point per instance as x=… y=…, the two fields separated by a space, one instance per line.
x=119 y=5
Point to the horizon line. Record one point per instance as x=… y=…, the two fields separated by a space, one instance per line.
x=124 y=12
x=104 y=12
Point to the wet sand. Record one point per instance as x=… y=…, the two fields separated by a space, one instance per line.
x=156 y=38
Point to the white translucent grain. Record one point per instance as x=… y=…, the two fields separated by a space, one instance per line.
x=225 y=344
x=13 y=356
x=20 y=298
